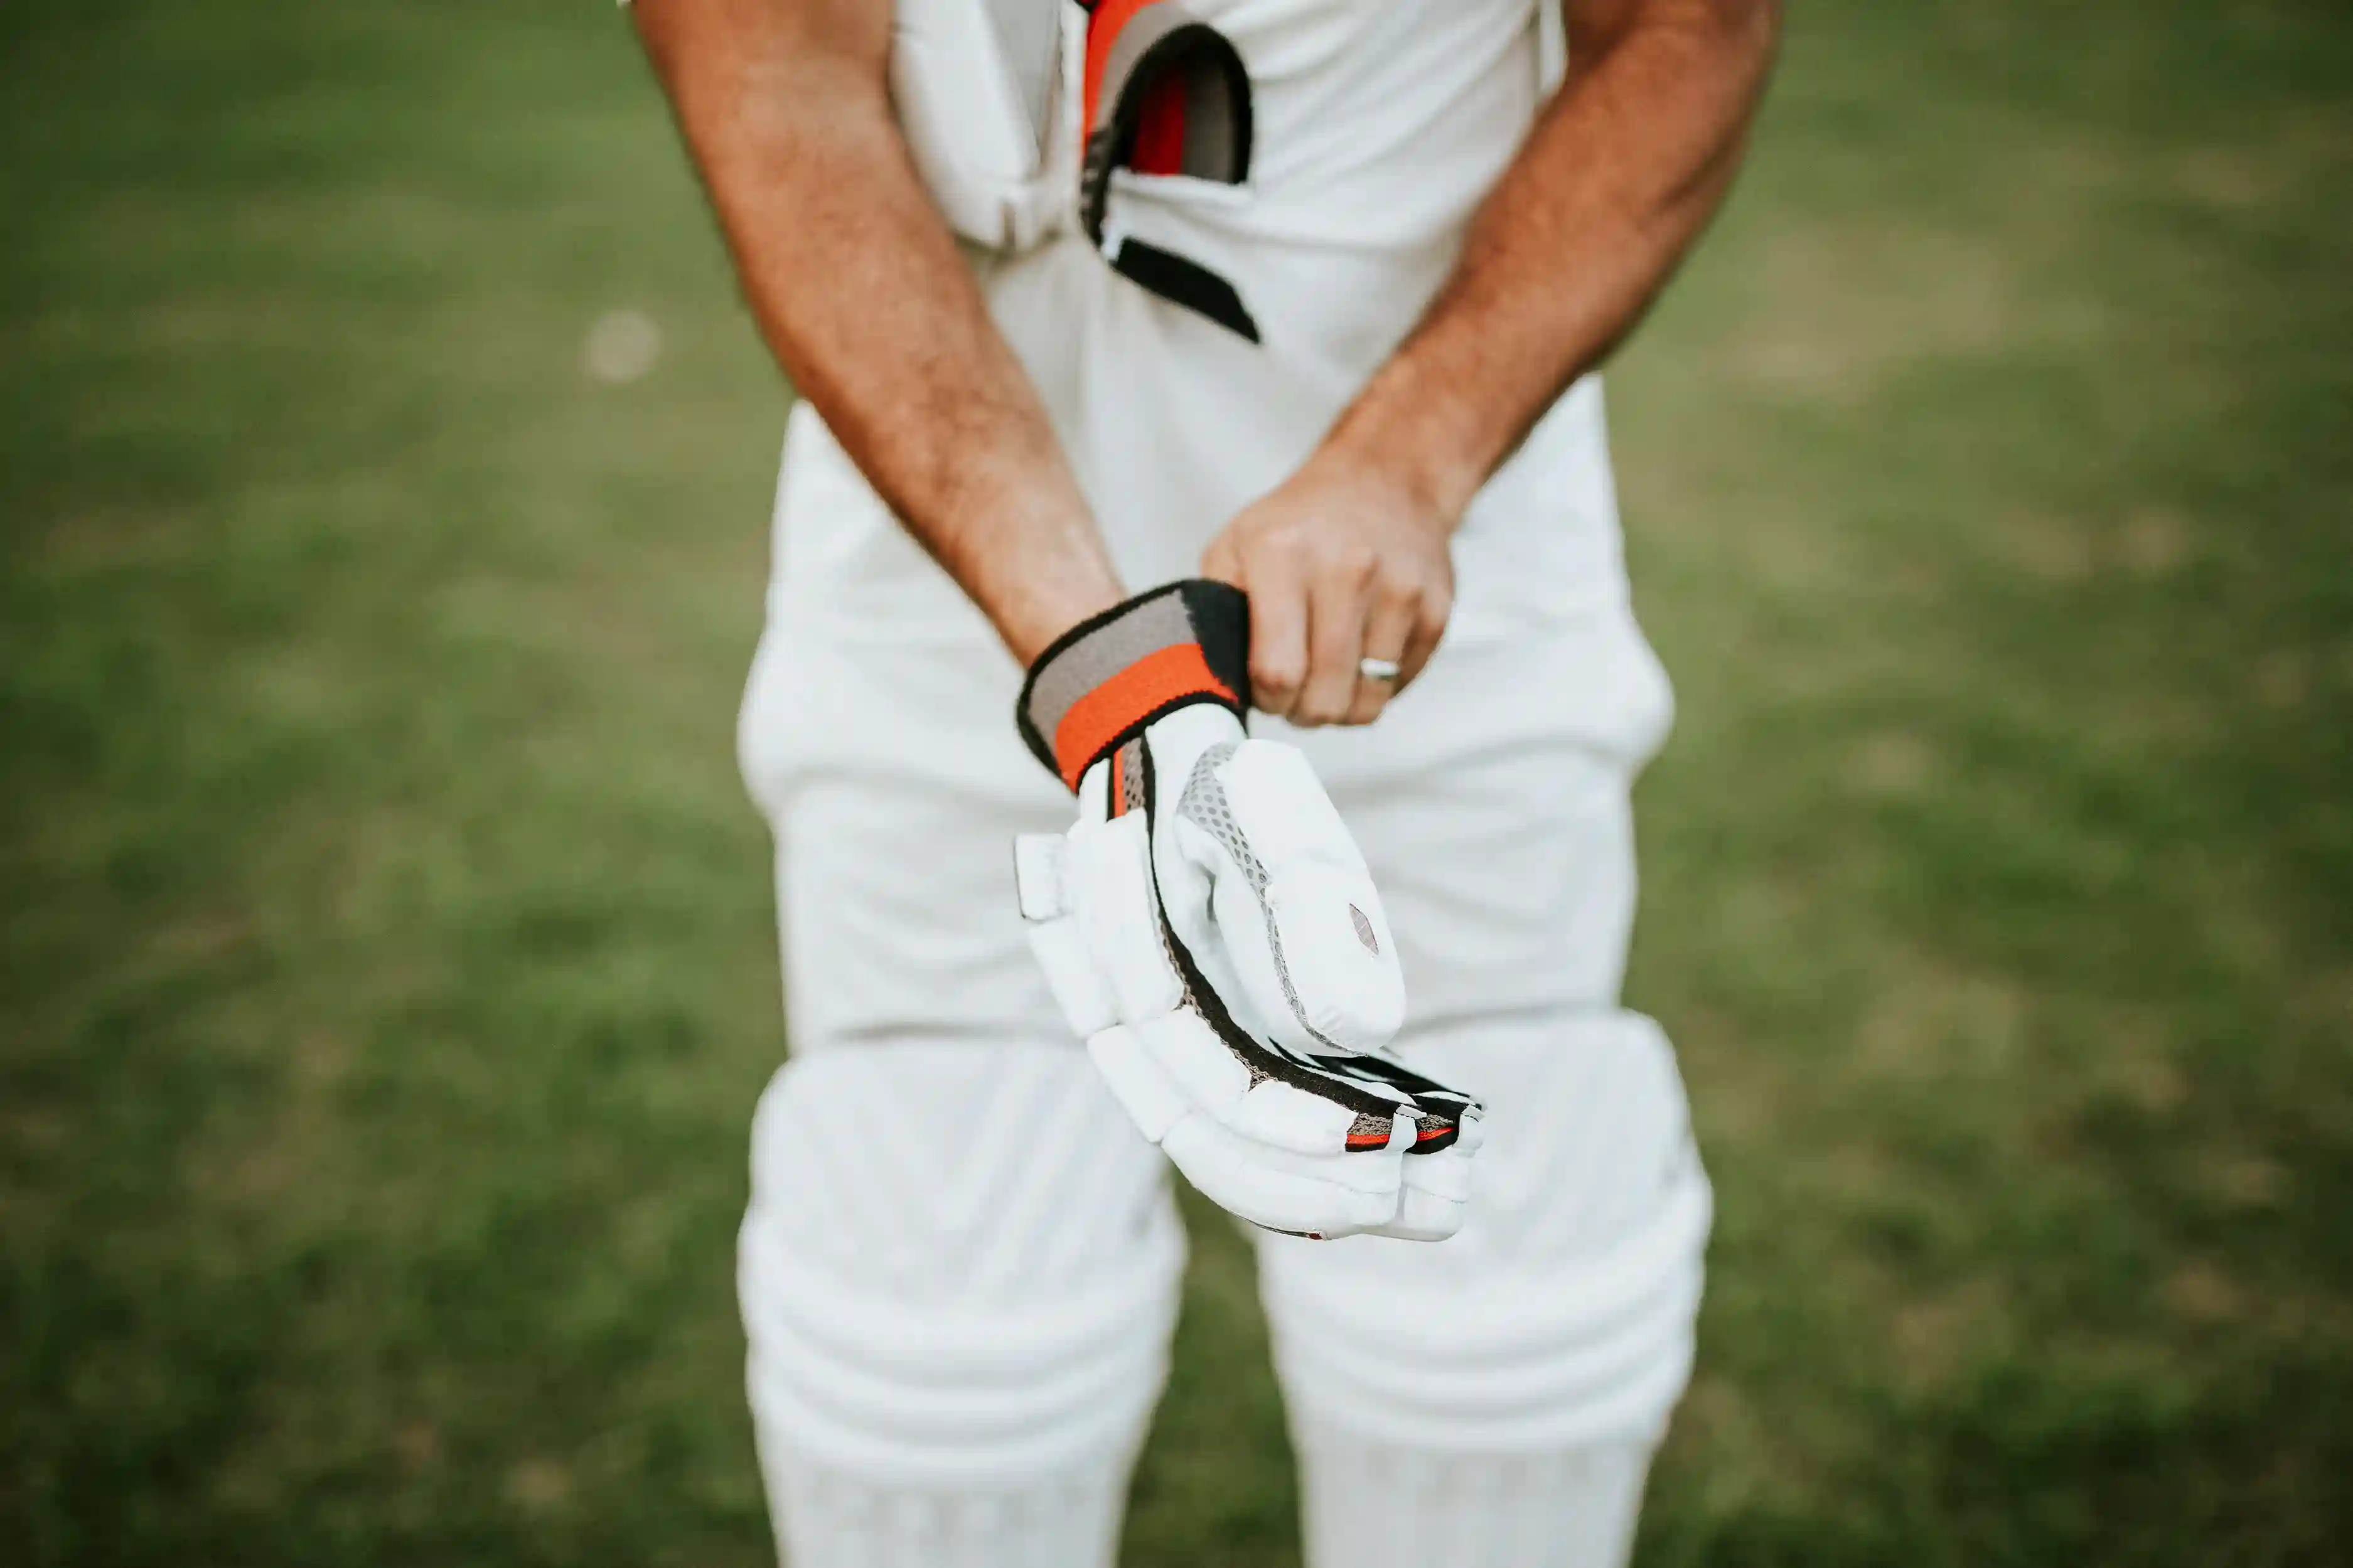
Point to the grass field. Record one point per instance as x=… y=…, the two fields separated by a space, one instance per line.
x=385 y=962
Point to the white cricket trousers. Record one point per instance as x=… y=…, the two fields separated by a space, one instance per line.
x=960 y=1265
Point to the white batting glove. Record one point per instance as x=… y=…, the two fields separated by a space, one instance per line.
x=1210 y=927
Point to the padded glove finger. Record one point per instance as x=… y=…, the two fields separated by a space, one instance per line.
x=1450 y=1120
x=1298 y=1193
x=1330 y=1194
x=1079 y=988
x=1433 y=1195
x=1108 y=872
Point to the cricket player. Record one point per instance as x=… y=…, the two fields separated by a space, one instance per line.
x=1200 y=481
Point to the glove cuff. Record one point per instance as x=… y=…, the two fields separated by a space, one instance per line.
x=1106 y=679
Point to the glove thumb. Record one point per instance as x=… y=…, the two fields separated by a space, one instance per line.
x=1301 y=924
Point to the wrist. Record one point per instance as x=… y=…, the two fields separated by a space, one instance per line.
x=1412 y=442
x=1043 y=610
x=1057 y=575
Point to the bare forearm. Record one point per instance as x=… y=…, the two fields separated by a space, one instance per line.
x=862 y=295
x=1614 y=183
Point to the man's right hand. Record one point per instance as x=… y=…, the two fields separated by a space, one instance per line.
x=1209 y=928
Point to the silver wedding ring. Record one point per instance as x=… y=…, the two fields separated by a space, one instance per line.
x=1378 y=669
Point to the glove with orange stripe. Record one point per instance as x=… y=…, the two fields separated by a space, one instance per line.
x=1209 y=928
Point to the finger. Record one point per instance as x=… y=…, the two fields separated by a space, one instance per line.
x=1279 y=620
x=1388 y=629
x=1336 y=642
x=1428 y=626
x=1220 y=562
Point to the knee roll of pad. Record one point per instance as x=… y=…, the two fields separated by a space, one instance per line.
x=959 y=1270
x=1562 y=1313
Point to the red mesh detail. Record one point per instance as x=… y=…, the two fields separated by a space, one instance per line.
x=1160 y=128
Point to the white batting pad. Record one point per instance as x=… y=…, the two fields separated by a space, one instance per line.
x=958 y=1273
x=1585 y=1235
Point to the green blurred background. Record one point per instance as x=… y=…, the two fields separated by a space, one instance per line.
x=385 y=962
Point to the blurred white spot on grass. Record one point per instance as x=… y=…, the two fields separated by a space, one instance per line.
x=538 y=1486
x=2250 y=1182
x=622 y=347
x=2047 y=547
x=1891 y=762
x=2202 y=1292
x=2155 y=543
x=2281 y=679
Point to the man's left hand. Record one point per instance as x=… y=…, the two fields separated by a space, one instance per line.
x=1342 y=565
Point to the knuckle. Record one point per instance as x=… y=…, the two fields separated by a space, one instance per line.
x=1317 y=707
x=1398 y=588
x=1276 y=675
